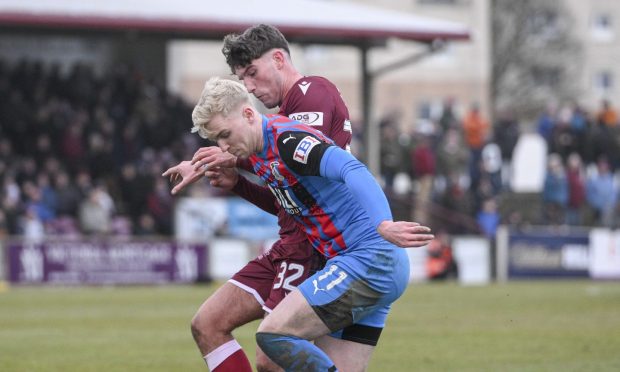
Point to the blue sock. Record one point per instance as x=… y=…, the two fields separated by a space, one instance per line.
x=294 y=353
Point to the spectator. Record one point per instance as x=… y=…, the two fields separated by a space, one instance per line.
x=602 y=194
x=546 y=123
x=159 y=206
x=488 y=218
x=555 y=191
x=506 y=134
x=440 y=263
x=146 y=226
x=562 y=139
x=607 y=116
x=67 y=195
x=423 y=162
x=391 y=152
x=32 y=227
x=579 y=126
x=96 y=212
x=448 y=119
x=452 y=154
x=576 y=190
x=476 y=130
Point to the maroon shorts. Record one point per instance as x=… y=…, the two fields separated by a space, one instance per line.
x=272 y=275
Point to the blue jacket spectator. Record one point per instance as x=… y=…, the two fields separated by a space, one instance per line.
x=602 y=193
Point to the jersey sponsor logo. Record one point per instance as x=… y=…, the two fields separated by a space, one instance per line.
x=290 y=136
x=285 y=200
x=308 y=118
x=347 y=126
x=304 y=85
x=274 y=169
x=302 y=151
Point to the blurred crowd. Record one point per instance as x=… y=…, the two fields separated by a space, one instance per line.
x=83 y=153
x=454 y=170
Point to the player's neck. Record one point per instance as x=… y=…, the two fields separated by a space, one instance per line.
x=290 y=80
x=258 y=133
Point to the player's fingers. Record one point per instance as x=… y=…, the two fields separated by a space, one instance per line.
x=205 y=152
x=415 y=229
x=210 y=174
x=168 y=171
x=197 y=157
x=422 y=237
x=415 y=245
x=200 y=164
x=217 y=161
x=421 y=229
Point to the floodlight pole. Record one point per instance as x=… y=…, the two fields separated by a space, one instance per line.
x=371 y=129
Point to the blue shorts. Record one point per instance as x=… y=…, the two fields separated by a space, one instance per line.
x=358 y=287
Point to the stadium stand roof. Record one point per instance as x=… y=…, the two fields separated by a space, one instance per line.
x=301 y=20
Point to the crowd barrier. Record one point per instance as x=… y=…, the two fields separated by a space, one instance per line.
x=557 y=252
x=535 y=253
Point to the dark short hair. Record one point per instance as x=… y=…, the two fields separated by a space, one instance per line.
x=241 y=50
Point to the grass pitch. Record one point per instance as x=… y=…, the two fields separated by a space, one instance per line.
x=522 y=326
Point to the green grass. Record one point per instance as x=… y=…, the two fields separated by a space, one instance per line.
x=523 y=326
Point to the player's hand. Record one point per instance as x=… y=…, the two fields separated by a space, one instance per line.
x=224 y=178
x=183 y=172
x=211 y=157
x=405 y=234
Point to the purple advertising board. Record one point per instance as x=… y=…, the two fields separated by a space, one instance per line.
x=105 y=261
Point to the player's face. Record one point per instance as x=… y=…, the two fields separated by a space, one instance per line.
x=262 y=78
x=232 y=134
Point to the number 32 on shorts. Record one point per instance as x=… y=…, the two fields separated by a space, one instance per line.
x=288 y=273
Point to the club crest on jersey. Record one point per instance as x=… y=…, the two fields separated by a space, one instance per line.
x=302 y=151
x=347 y=126
x=304 y=85
x=308 y=118
x=274 y=170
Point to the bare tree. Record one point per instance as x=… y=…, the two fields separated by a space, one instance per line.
x=536 y=60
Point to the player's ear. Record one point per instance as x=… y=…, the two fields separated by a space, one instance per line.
x=248 y=114
x=278 y=58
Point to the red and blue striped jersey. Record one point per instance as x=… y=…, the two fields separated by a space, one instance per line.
x=289 y=164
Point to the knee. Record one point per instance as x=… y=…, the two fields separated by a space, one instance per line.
x=197 y=326
x=205 y=323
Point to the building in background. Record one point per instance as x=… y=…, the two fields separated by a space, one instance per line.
x=414 y=91
x=596 y=27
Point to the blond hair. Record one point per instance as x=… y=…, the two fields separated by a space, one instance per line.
x=219 y=97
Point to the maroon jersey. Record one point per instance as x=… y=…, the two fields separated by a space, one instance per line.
x=316 y=102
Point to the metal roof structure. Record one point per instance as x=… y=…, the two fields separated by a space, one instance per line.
x=314 y=21
x=301 y=21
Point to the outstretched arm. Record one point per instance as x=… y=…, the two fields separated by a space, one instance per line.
x=339 y=165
